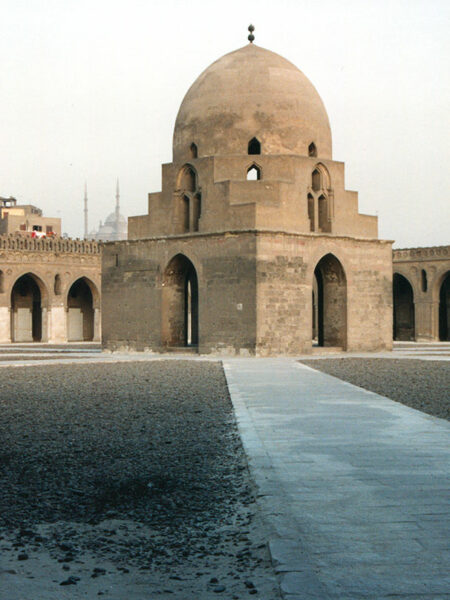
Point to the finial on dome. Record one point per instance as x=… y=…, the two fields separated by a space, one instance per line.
x=251 y=37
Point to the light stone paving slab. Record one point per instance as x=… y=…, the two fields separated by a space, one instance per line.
x=355 y=486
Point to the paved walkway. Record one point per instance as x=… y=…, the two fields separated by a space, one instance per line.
x=355 y=486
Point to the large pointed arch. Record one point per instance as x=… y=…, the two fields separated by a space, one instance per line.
x=330 y=302
x=179 y=319
x=403 y=301
x=81 y=300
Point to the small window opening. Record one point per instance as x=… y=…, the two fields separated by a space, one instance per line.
x=254 y=173
x=324 y=224
x=116 y=259
x=424 y=281
x=312 y=150
x=57 y=285
x=185 y=216
x=311 y=212
x=194 y=151
x=197 y=211
x=316 y=180
x=2 y=289
x=254 y=146
x=37 y=227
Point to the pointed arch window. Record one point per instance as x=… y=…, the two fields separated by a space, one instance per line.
x=196 y=211
x=324 y=221
x=254 y=146
x=187 y=179
x=253 y=173
x=57 y=285
x=316 y=180
x=312 y=150
x=194 y=151
x=424 y=281
x=320 y=200
x=311 y=211
x=186 y=213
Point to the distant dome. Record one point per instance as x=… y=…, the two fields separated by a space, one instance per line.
x=248 y=93
x=112 y=220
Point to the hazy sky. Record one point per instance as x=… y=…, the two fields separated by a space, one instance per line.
x=89 y=91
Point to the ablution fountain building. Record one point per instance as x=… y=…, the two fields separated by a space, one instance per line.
x=253 y=246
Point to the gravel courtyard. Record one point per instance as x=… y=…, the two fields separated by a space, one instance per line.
x=126 y=480
x=420 y=384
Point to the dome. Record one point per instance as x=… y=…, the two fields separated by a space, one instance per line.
x=248 y=93
x=112 y=219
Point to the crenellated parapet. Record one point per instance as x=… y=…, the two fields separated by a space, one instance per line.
x=418 y=254
x=59 y=245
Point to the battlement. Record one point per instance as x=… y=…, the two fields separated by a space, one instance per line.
x=432 y=252
x=60 y=245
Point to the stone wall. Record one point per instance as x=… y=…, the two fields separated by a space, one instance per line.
x=254 y=291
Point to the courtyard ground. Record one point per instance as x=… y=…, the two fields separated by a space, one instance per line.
x=104 y=490
x=126 y=481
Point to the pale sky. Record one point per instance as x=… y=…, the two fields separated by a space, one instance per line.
x=89 y=91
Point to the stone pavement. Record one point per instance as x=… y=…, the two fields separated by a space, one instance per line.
x=355 y=486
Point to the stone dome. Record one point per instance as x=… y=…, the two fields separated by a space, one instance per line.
x=251 y=92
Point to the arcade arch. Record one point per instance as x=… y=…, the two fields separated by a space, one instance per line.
x=28 y=309
x=179 y=303
x=80 y=311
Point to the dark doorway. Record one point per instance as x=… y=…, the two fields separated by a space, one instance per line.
x=330 y=302
x=444 y=312
x=26 y=310
x=404 y=329
x=180 y=303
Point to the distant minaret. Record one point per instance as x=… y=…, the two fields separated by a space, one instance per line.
x=85 y=212
x=117 y=202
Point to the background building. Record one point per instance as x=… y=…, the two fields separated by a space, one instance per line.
x=26 y=218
